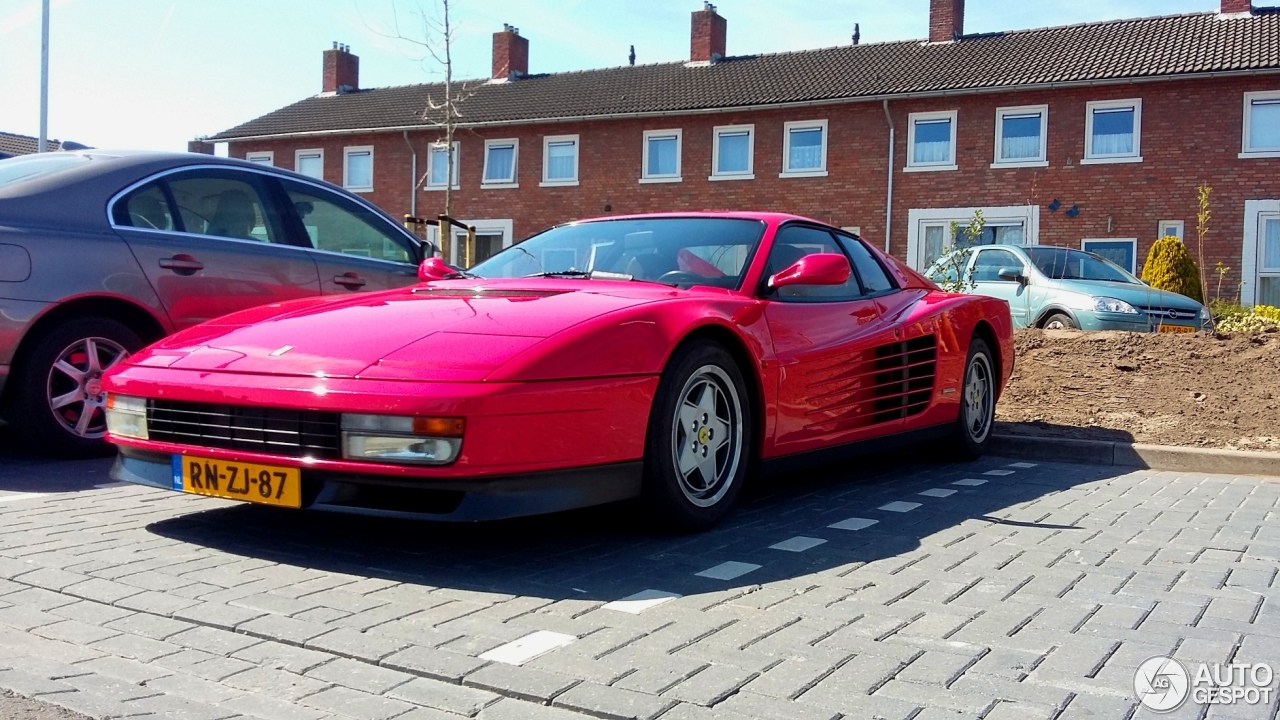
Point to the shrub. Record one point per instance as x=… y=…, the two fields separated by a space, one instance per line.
x=1236 y=319
x=1268 y=312
x=1169 y=267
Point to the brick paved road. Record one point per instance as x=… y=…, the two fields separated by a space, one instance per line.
x=990 y=590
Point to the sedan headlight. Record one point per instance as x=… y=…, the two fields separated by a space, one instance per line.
x=127 y=416
x=401 y=439
x=1112 y=305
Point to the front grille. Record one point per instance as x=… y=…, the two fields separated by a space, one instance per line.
x=1170 y=313
x=292 y=433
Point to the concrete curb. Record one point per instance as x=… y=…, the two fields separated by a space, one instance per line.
x=1136 y=455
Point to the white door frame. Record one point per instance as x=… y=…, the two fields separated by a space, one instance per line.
x=1254 y=212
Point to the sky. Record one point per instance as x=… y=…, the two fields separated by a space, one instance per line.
x=153 y=74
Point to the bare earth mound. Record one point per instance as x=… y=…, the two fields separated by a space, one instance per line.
x=1218 y=391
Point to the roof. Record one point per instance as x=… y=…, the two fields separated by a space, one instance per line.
x=12 y=144
x=1147 y=48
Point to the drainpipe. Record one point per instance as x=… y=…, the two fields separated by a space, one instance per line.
x=888 y=203
x=413 y=176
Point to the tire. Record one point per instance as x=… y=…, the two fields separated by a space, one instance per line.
x=1059 y=321
x=66 y=364
x=977 y=415
x=701 y=421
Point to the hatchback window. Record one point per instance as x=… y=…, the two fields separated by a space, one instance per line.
x=989 y=263
x=30 y=167
x=335 y=224
x=1065 y=264
x=216 y=204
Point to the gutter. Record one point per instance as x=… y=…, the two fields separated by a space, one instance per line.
x=413 y=176
x=1026 y=87
x=888 y=202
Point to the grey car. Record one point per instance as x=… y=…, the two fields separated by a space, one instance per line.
x=102 y=253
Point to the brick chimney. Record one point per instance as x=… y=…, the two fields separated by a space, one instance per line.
x=1231 y=7
x=707 y=36
x=200 y=146
x=510 y=54
x=946 y=20
x=341 y=70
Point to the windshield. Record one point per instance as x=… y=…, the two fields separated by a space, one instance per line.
x=29 y=167
x=1065 y=264
x=675 y=250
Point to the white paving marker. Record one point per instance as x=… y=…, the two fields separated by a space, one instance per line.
x=970 y=482
x=728 y=570
x=641 y=601
x=1023 y=466
x=854 y=523
x=938 y=492
x=998 y=472
x=899 y=506
x=530 y=646
x=799 y=543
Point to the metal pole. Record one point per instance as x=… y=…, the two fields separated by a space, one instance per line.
x=44 y=78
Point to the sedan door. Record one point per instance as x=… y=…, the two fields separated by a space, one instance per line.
x=985 y=274
x=211 y=244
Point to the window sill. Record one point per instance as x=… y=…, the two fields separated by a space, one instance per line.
x=499 y=186
x=1259 y=154
x=748 y=176
x=654 y=180
x=348 y=188
x=803 y=174
x=439 y=188
x=1016 y=165
x=1111 y=160
x=930 y=168
x=558 y=183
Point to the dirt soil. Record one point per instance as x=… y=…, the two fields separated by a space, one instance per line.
x=1220 y=391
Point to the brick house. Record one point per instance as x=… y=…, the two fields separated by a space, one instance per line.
x=13 y=145
x=1092 y=135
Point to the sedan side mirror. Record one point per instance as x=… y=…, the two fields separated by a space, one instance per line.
x=816 y=269
x=1012 y=274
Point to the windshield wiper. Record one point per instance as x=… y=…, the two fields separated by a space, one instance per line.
x=590 y=275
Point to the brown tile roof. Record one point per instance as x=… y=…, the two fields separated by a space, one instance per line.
x=11 y=144
x=1105 y=51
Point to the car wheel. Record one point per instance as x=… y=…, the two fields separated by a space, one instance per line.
x=977 y=403
x=59 y=404
x=1060 y=321
x=698 y=445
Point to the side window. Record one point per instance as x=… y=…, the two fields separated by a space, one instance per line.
x=874 y=279
x=987 y=267
x=145 y=208
x=221 y=204
x=796 y=241
x=336 y=224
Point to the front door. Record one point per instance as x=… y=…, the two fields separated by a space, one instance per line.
x=985 y=275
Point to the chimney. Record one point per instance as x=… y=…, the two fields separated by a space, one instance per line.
x=341 y=70
x=946 y=20
x=200 y=146
x=1232 y=7
x=707 y=39
x=510 y=54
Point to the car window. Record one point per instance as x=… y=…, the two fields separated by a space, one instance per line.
x=336 y=224
x=987 y=267
x=874 y=279
x=1066 y=264
x=147 y=208
x=945 y=270
x=218 y=203
x=796 y=241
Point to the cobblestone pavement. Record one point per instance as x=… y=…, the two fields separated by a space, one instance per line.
x=994 y=589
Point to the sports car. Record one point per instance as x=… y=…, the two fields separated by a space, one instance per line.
x=661 y=357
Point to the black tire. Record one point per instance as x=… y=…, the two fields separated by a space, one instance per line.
x=699 y=377
x=59 y=431
x=976 y=419
x=1059 y=321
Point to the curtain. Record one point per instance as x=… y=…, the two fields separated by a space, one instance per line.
x=359 y=170
x=439 y=166
x=933 y=236
x=662 y=156
x=562 y=160
x=1271 y=246
x=1008 y=234
x=806 y=149
x=1264 y=125
x=933 y=142
x=311 y=166
x=1269 y=291
x=735 y=153
x=501 y=165
x=1113 y=132
x=1020 y=137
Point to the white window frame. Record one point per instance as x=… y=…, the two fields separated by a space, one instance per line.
x=298 y=155
x=514 y=181
x=787 y=127
x=719 y=130
x=1255 y=211
x=1247 y=152
x=1092 y=158
x=488 y=226
x=1042 y=160
x=1084 y=246
x=912 y=120
x=546 y=160
x=457 y=146
x=1163 y=227
x=918 y=219
x=645 y=177
x=262 y=157
x=347 y=152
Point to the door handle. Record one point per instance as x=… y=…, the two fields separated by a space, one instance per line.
x=350 y=280
x=182 y=264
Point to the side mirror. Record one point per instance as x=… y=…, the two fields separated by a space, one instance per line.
x=434 y=268
x=817 y=269
x=1012 y=274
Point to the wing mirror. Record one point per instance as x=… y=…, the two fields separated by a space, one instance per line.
x=1012 y=274
x=434 y=268
x=817 y=269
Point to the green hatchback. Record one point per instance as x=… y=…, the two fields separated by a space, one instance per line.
x=1056 y=287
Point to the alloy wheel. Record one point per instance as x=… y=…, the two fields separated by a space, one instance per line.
x=707 y=436
x=74 y=387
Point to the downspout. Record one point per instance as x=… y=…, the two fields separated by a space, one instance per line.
x=413 y=176
x=888 y=203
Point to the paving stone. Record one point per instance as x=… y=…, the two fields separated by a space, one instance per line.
x=711 y=685
x=130 y=671
x=467 y=701
x=175 y=708
x=359 y=675
x=213 y=640
x=433 y=663
x=611 y=702
x=370 y=647
x=152 y=626
x=38 y=598
x=507 y=709
x=286 y=629
x=194 y=688
x=283 y=657
x=521 y=682
x=219 y=615
x=356 y=704
x=276 y=683
x=139 y=648
x=31 y=685
x=269 y=708
x=752 y=705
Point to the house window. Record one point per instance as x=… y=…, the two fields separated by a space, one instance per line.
x=1021 y=136
x=661 y=156
x=804 y=149
x=731 y=152
x=357 y=168
x=1113 y=132
x=500 y=158
x=492 y=236
x=560 y=160
x=1122 y=252
x=931 y=141
x=1261 y=124
x=1269 y=262
x=261 y=158
x=438 y=166
x=933 y=232
x=1171 y=227
x=309 y=163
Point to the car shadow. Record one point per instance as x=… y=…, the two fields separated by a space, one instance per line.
x=21 y=471
x=612 y=551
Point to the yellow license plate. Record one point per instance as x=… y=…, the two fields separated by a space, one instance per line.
x=1177 y=329
x=266 y=484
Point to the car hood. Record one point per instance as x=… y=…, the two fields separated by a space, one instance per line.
x=1141 y=296
x=447 y=331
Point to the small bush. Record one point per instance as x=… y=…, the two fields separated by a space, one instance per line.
x=1268 y=312
x=1236 y=319
x=1169 y=267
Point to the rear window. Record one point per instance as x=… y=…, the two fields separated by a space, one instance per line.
x=29 y=167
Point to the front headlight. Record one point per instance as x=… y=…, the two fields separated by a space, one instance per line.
x=127 y=416
x=1205 y=316
x=401 y=439
x=1112 y=305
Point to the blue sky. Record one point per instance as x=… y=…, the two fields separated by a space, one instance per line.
x=161 y=72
